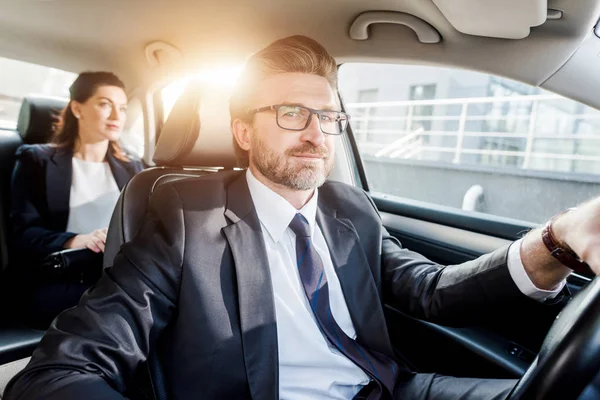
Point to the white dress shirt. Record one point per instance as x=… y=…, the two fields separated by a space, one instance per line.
x=308 y=367
x=94 y=194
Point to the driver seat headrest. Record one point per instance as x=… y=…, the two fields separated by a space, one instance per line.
x=197 y=132
x=37 y=117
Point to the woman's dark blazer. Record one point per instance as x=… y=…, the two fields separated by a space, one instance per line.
x=41 y=187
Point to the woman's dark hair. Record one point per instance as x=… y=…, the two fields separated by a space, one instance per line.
x=80 y=91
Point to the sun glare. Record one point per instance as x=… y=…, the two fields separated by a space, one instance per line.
x=225 y=77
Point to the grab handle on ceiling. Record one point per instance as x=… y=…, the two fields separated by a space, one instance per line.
x=159 y=53
x=359 y=30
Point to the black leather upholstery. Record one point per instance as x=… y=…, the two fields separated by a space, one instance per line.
x=132 y=205
x=180 y=131
x=35 y=125
x=196 y=135
x=9 y=142
x=37 y=118
x=16 y=343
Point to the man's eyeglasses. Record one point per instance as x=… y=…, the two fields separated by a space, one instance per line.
x=297 y=118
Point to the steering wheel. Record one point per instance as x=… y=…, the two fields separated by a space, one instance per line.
x=570 y=355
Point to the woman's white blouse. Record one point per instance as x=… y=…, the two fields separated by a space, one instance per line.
x=94 y=194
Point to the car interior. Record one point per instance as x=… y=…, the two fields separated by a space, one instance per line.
x=550 y=44
x=34 y=126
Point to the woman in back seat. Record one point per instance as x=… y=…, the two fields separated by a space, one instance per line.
x=64 y=193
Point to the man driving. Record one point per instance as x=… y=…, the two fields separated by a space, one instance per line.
x=270 y=282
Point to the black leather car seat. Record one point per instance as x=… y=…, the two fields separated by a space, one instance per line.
x=195 y=140
x=35 y=125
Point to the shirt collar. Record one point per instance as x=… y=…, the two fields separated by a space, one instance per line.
x=274 y=212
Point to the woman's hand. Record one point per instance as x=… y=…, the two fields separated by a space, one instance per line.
x=94 y=241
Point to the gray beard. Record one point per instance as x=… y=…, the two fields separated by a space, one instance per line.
x=279 y=170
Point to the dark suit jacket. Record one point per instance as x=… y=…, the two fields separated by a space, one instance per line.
x=193 y=289
x=41 y=186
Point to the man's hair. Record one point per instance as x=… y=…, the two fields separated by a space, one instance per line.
x=291 y=54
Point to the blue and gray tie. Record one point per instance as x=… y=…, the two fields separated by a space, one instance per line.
x=378 y=366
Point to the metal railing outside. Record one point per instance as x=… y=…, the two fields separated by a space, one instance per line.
x=408 y=143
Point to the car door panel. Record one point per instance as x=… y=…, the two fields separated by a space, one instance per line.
x=502 y=349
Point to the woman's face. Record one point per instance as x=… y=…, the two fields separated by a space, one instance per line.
x=102 y=116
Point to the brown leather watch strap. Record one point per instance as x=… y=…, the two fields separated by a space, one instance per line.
x=566 y=256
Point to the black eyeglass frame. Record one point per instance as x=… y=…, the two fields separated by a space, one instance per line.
x=276 y=108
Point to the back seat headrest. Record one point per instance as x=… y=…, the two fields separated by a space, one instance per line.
x=197 y=132
x=37 y=118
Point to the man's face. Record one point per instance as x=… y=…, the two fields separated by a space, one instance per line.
x=298 y=160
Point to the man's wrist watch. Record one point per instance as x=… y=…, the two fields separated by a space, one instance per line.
x=565 y=255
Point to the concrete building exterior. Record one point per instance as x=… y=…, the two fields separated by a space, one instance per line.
x=431 y=133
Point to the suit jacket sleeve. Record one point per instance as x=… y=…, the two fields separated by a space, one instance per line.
x=30 y=233
x=459 y=295
x=138 y=166
x=93 y=350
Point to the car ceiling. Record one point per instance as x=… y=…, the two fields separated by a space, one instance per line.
x=80 y=35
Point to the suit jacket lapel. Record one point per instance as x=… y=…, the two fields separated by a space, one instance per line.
x=119 y=170
x=59 y=174
x=255 y=292
x=356 y=280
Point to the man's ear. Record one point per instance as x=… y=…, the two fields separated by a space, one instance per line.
x=241 y=133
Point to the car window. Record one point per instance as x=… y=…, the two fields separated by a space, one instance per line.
x=470 y=140
x=19 y=79
x=225 y=77
x=133 y=134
